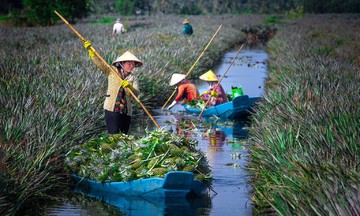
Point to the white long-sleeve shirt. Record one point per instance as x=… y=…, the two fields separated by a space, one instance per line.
x=118 y=28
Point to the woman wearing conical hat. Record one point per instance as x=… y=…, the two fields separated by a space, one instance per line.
x=187 y=91
x=117 y=105
x=215 y=91
x=187 y=28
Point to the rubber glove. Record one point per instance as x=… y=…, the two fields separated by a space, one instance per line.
x=87 y=45
x=126 y=84
x=214 y=94
x=171 y=105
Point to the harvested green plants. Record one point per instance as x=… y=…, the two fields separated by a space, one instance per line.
x=121 y=157
x=197 y=104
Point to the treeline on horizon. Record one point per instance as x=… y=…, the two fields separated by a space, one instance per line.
x=40 y=12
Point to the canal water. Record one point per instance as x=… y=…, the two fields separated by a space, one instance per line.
x=222 y=140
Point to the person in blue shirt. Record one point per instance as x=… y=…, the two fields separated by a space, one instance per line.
x=187 y=28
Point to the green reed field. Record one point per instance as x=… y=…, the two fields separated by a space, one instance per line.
x=305 y=154
x=305 y=139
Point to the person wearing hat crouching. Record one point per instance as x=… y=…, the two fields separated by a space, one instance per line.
x=215 y=91
x=118 y=27
x=187 y=91
x=187 y=28
x=117 y=105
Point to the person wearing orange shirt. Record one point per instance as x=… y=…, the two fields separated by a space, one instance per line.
x=187 y=91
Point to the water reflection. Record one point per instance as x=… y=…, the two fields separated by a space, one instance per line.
x=185 y=126
x=215 y=137
x=154 y=206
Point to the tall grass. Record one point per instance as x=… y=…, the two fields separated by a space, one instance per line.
x=51 y=93
x=305 y=150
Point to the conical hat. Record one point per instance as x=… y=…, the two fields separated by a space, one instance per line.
x=185 y=21
x=128 y=56
x=176 y=78
x=209 y=76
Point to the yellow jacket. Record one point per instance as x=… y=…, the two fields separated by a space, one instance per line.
x=114 y=86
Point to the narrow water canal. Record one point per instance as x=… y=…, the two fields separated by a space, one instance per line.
x=222 y=140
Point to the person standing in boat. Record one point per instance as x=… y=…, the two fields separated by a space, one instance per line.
x=117 y=105
x=187 y=91
x=215 y=91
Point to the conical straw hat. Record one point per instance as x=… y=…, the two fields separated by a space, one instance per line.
x=128 y=56
x=209 y=76
x=176 y=78
x=185 y=21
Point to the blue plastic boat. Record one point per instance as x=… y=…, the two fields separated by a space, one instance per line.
x=239 y=107
x=175 y=184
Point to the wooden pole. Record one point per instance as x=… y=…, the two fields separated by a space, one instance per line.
x=232 y=61
x=108 y=66
x=202 y=53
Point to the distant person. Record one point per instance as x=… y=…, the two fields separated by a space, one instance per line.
x=215 y=91
x=187 y=28
x=118 y=27
x=118 y=100
x=187 y=91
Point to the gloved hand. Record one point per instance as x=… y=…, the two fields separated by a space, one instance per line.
x=171 y=105
x=87 y=45
x=214 y=94
x=126 y=84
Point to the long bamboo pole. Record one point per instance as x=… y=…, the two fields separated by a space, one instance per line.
x=108 y=66
x=201 y=54
x=232 y=61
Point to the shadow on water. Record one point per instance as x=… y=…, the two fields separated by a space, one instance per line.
x=222 y=140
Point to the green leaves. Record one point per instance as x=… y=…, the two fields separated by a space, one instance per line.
x=121 y=157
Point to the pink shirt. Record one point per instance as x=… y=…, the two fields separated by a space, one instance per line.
x=222 y=98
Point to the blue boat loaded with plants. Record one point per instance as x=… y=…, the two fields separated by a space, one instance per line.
x=175 y=184
x=160 y=165
x=239 y=106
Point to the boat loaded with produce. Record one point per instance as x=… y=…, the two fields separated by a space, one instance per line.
x=158 y=165
x=239 y=105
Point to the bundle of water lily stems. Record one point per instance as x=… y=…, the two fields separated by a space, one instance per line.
x=121 y=157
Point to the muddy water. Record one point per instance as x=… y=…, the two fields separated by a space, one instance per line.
x=223 y=142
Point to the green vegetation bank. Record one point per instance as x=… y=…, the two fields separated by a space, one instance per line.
x=305 y=149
